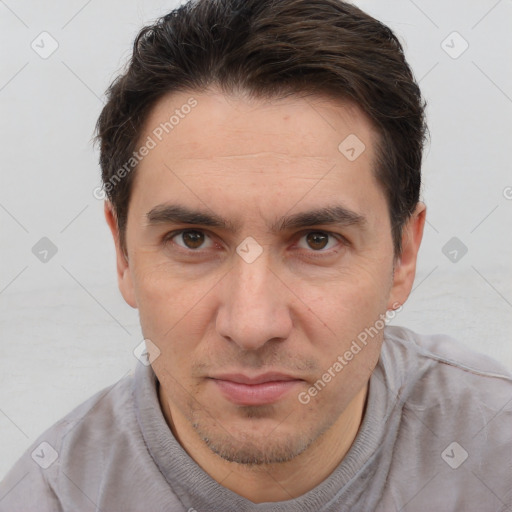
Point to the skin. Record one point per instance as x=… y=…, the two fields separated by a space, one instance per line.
x=293 y=310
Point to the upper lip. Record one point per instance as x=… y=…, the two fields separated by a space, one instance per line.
x=256 y=379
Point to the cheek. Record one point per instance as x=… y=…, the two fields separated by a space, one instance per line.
x=171 y=309
x=341 y=308
x=333 y=390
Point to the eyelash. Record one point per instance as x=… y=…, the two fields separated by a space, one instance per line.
x=313 y=254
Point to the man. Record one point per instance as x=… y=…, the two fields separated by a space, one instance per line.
x=262 y=161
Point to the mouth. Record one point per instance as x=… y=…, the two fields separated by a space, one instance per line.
x=261 y=389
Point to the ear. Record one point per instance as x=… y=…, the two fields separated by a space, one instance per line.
x=405 y=265
x=124 y=277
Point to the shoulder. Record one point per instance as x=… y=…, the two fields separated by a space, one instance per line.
x=99 y=413
x=78 y=440
x=444 y=350
x=440 y=374
x=455 y=409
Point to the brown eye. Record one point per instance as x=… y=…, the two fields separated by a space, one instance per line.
x=188 y=239
x=317 y=240
x=192 y=239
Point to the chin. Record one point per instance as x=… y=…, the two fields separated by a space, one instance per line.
x=257 y=438
x=255 y=450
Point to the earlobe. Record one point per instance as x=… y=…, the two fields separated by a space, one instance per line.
x=405 y=266
x=124 y=277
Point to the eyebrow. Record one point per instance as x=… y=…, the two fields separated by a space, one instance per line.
x=329 y=215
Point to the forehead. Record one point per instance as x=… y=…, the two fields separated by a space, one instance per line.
x=215 y=149
x=210 y=123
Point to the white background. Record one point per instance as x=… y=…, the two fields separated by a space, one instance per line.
x=65 y=329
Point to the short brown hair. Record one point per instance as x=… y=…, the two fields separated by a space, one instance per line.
x=272 y=49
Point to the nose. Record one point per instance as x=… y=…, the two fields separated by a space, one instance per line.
x=254 y=307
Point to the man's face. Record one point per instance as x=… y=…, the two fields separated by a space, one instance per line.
x=228 y=323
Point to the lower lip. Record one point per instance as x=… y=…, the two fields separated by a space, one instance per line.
x=255 y=394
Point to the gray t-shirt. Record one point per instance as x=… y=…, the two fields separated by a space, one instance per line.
x=436 y=436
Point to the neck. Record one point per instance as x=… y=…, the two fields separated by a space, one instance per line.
x=274 y=482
